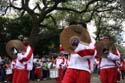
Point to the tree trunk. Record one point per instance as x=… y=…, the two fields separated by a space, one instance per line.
x=34 y=33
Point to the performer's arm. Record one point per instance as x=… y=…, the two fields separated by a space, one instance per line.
x=84 y=50
x=64 y=63
x=114 y=56
x=27 y=55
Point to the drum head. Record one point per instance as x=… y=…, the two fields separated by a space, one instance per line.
x=14 y=44
x=72 y=35
x=104 y=44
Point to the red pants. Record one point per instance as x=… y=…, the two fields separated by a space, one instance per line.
x=38 y=73
x=61 y=75
x=108 y=75
x=9 y=77
x=118 y=75
x=20 y=76
x=76 y=76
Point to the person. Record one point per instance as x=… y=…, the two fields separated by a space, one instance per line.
x=38 y=69
x=24 y=63
x=8 y=71
x=2 y=69
x=80 y=62
x=60 y=64
x=109 y=64
x=45 y=70
x=122 y=69
x=13 y=66
x=50 y=65
x=97 y=62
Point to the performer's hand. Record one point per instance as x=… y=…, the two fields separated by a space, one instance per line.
x=118 y=64
x=14 y=51
x=74 y=42
x=19 y=56
x=60 y=65
x=105 y=52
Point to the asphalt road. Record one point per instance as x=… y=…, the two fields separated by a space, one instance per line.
x=95 y=79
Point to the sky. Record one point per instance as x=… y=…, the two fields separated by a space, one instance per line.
x=91 y=28
x=91 y=25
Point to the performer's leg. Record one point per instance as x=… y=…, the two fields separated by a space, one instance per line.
x=123 y=74
x=38 y=73
x=58 y=80
x=118 y=76
x=21 y=76
x=71 y=75
x=112 y=75
x=26 y=76
x=61 y=74
x=84 y=77
x=15 y=76
x=103 y=76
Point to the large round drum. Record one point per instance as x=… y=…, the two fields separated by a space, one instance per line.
x=104 y=44
x=14 y=44
x=54 y=73
x=72 y=35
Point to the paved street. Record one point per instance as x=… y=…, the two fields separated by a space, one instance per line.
x=95 y=79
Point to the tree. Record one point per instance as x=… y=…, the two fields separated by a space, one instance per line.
x=110 y=22
x=43 y=9
x=20 y=26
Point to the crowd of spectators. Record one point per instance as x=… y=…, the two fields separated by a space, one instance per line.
x=41 y=69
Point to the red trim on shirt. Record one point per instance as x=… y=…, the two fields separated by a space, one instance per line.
x=54 y=62
x=115 y=52
x=63 y=60
x=86 y=52
x=28 y=56
x=89 y=62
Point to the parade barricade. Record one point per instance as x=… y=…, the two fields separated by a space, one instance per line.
x=54 y=73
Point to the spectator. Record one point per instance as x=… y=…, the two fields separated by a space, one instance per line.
x=8 y=72
x=38 y=69
x=2 y=69
x=122 y=69
x=60 y=64
x=45 y=70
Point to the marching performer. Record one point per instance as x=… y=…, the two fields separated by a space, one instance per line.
x=80 y=62
x=109 y=64
x=24 y=63
x=60 y=63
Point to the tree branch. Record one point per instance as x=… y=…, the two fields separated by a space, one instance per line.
x=38 y=6
x=17 y=8
x=74 y=10
x=22 y=13
x=44 y=3
x=5 y=10
x=48 y=10
x=52 y=19
x=52 y=8
x=92 y=13
x=26 y=8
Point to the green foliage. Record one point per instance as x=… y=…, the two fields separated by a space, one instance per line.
x=46 y=16
x=49 y=38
